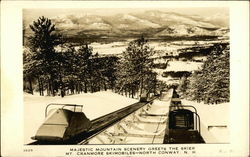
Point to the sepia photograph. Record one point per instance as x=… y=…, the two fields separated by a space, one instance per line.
x=125 y=79
x=122 y=76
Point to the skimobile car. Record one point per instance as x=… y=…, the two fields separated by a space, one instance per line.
x=61 y=124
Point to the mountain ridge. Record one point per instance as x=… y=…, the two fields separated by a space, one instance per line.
x=152 y=23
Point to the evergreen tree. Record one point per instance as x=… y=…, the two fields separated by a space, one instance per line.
x=210 y=85
x=84 y=66
x=108 y=65
x=44 y=59
x=29 y=74
x=136 y=67
x=67 y=69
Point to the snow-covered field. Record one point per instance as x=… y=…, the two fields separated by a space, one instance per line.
x=177 y=66
x=119 y=47
x=110 y=48
x=183 y=66
x=94 y=106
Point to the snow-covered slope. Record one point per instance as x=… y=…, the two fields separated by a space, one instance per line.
x=94 y=106
x=214 y=121
x=144 y=23
x=184 y=30
x=172 y=18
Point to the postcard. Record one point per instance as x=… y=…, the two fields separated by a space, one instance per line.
x=125 y=78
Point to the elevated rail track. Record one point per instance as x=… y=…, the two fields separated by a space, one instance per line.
x=160 y=120
x=99 y=124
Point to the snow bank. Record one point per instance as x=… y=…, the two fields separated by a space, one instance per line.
x=94 y=106
x=214 y=121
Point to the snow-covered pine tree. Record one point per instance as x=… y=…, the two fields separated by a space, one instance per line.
x=135 y=67
x=211 y=84
x=44 y=59
x=83 y=58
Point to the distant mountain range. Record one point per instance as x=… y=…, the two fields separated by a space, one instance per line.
x=151 y=23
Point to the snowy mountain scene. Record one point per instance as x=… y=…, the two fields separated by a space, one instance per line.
x=150 y=23
x=126 y=76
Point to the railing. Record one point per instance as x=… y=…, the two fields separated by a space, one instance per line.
x=63 y=106
x=198 y=121
x=195 y=112
x=185 y=106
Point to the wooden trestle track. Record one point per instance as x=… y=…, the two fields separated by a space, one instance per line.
x=143 y=122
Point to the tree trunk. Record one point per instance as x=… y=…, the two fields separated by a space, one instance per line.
x=92 y=86
x=126 y=92
x=62 y=87
x=141 y=86
x=39 y=85
x=52 y=87
x=31 y=88
x=48 y=88
x=85 y=87
x=105 y=86
x=42 y=87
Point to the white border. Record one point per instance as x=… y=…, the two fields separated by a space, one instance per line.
x=11 y=73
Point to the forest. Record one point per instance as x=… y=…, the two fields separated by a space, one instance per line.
x=212 y=84
x=53 y=66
